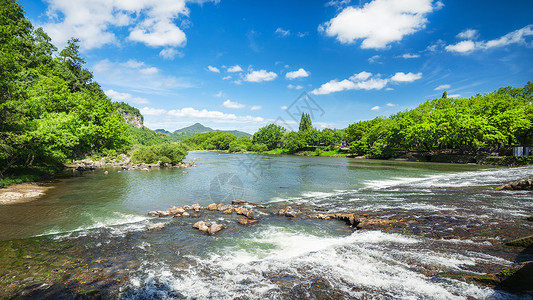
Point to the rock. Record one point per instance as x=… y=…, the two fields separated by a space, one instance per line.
x=521 y=242
x=241 y=210
x=524 y=184
x=155 y=227
x=163 y=213
x=202 y=226
x=222 y=207
x=242 y=202
x=212 y=206
x=177 y=215
x=250 y=214
x=228 y=211
x=214 y=228
x=248 y=222
x=106 y=172
x=185 y=214
x=199 y=224
x=517 y=279
x=196 y=207
x=153 y=214
x=289 y=212
x=186 y=207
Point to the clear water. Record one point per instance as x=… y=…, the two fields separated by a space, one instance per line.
x=107 y=213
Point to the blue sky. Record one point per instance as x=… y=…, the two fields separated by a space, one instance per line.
x=243 y=64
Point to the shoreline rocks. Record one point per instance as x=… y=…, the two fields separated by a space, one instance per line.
x=123 y=161
x=210 y=228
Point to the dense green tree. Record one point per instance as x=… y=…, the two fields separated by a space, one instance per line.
x=269 y=135
x=305 y=122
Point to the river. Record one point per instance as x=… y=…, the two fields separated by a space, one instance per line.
x=88 y=235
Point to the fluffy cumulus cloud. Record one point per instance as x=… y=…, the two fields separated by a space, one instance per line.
x=213 y=69
x=300 y=73
x=467 y=46
x=149 y=22
x=409 y=55
x=468 y=34
x=259 y=76
x=379 y=22
x=377 y=107
x=234 y=69
x=364 y=81
x=230 y=104
x=117 y=96
x=409 y=77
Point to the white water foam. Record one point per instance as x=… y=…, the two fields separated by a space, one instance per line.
x=461 y=179
x=119 y=224
x=371 y=262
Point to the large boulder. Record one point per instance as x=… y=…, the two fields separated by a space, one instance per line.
x=214 y=228
x=524 y=184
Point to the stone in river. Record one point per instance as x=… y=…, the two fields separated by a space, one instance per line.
x=156 y=227
x=214 y=228
x=248 y=222
x=212 y=206
x=202 y=225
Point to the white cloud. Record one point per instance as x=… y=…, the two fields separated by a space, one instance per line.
x=302 y=34
x=409 y=77
x=230 y=104
x=468 y=34
x=408 y=55
x=377 y=107
x=116 y=96
x=256 y=107
x=378 y=22
x=514 y=37
x=226 y=77
x=148 y=111
x=284 y=107
x=259 y=76
x=213 y=69
x=136 y=75
x=149 y=70
x=442 y=87
x=390 y=104
x=282 y=32
x=235 y=68
x=94 y=22
x=461 y=47
x=295 y=87
x=363 y=81
x=374 y=59
x=170 y=53
x=454 y=96
x=219 y=94
x=300 y=73
x=189 y=112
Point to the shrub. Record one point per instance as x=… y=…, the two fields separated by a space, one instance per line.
x=171 y=153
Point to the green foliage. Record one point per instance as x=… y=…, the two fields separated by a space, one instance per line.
x=50 y=110
x=215 y=140
x=242 y=144
x=171 y=153
x=146 y=137
x=495 y=120
x=128 y=109
x=269 y=135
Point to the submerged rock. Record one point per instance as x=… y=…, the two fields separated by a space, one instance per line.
x=242 y=202
x=155 y=227
x=248 y=222
x=524 y=184
x=289 y=212
x=517 y=279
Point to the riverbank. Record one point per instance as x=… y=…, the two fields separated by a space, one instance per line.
x=22 y=192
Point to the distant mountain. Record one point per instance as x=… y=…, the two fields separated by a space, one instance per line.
x=189 y=131
x=162 y=131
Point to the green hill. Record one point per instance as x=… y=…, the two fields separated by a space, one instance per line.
x=189 y=131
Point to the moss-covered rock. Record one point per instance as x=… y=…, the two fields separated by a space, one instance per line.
x=517 y=279
x=521 y=242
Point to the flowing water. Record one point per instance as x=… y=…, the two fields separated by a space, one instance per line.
x=90 y=232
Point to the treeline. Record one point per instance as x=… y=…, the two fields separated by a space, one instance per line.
x=490 y=121
x=51 y=110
